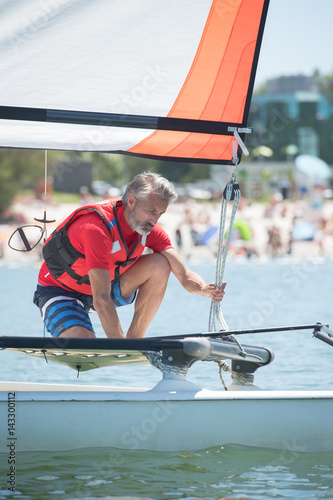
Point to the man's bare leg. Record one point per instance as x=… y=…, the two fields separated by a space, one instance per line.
x=79 y=332
x=149 y=275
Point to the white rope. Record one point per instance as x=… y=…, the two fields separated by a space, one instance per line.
x=231 y=192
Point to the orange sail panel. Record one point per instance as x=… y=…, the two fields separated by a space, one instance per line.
x=217 y=86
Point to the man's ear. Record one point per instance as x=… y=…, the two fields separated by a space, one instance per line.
x=131 y=201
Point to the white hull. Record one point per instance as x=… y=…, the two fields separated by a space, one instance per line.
x=174 y=416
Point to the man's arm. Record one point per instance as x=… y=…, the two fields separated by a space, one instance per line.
x=101 y=290
x=191 y=281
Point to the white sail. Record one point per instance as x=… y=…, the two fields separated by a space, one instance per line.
x=159 y=79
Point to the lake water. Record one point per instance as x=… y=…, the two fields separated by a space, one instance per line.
x=264 y=294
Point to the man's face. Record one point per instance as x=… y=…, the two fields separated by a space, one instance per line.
x=143 y=215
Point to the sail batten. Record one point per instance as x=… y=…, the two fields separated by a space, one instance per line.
x=167 y=80
x=119 y=120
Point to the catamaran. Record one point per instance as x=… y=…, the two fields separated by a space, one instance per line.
x=175 y=415
x=173 y=82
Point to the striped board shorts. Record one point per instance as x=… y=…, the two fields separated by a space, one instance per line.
x=62 y=309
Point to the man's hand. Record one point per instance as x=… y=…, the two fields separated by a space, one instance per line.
x=101 y=290
x=191 y=281
x=214 y=292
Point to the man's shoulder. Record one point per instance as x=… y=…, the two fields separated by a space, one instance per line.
x=158 y=231
x=158 y=239
x=89 y=217
x=90 y=224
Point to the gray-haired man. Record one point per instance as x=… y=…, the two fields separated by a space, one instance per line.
x=94 y=259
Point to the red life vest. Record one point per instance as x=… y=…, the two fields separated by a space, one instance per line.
x=68 y=266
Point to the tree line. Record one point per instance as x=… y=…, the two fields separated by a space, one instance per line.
x=24 y=169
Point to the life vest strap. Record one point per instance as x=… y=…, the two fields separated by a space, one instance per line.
x=126 y=262
x=60 y=255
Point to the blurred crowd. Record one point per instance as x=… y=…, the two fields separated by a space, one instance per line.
x=277 y=228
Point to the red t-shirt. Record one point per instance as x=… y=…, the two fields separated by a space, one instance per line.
x=89 y=236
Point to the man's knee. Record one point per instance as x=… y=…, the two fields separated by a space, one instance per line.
x=159 y=266
x=78 y=332
x=162 y=264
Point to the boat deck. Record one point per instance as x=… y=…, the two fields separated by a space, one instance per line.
x=45 y=387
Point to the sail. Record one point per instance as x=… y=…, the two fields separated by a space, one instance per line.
x=167 y=79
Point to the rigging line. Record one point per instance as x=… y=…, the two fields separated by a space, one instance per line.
x=45 y=187
x=20 y=231
x=231 y=192
x=45 y=221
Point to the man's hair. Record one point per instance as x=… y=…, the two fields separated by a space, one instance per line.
x=149 y=183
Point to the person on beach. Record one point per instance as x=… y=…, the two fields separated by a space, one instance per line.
x=94 y=260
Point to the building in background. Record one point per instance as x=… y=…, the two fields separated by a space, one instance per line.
x=292 y=111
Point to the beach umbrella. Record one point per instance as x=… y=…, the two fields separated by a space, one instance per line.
x=262 y=151
x=313 y=167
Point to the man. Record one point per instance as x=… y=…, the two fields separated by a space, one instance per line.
x=94 y=259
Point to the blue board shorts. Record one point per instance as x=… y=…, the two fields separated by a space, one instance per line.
x=62 y=309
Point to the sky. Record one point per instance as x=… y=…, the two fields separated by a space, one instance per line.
x=298 y=39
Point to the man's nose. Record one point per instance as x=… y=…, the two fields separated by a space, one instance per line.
x=154 y=219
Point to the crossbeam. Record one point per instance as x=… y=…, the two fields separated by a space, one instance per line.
x=217 y=334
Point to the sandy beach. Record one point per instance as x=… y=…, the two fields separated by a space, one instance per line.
x=193 y=227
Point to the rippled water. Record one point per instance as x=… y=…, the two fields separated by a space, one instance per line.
x=258 y=295
x=213 y=473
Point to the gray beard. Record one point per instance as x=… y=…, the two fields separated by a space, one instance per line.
x=141 y=228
